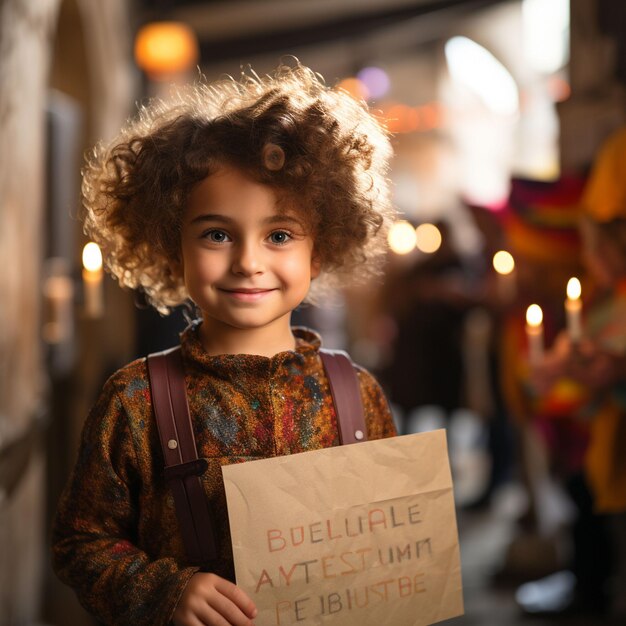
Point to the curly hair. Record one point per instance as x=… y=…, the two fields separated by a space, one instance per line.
x=316 y=145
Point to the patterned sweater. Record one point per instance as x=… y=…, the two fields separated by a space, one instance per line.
x=115 y=537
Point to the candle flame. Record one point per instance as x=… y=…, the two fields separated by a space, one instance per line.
x=503 y=262
x=402 y=237
x=92 y=257
x=534 y=315
x=573 y=289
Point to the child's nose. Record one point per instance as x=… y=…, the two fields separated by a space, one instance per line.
x=247 y=260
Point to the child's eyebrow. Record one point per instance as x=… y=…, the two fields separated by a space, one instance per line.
x=281 y=219
x=225 y=219
x=212 y=217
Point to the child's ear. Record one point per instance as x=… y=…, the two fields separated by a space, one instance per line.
x=316 y=265
x=176 y=266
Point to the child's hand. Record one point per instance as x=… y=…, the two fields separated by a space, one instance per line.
x=210 y=600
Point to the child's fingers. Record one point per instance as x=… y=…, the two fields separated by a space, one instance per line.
x=197 y=621
x=213 y=617
x=189 y=619
x=237 y=595
x=221 y=611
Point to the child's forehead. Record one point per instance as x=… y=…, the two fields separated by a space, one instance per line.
x=232 y=192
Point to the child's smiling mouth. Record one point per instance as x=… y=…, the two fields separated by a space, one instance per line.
x=247 y=295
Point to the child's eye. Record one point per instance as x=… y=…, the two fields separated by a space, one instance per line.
x=216 y=236
x=279 y=237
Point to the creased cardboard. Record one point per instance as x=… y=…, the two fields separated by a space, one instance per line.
x=360 y=534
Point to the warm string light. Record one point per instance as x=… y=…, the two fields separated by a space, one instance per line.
x=503 y=262
x=428 y=238
x=402 y=237
x=401 y=118
x=504 y=265
x=398 y=117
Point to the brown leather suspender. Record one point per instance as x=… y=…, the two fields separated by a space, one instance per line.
x=183 y=468
x=346 y=393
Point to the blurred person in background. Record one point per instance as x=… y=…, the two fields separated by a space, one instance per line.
x=542 y=234
x=428 y=301
x=597 y=364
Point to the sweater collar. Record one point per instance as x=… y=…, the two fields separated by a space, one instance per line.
x=308 y=343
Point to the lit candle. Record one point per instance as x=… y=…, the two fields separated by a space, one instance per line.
x=504 y=264
x=92 y=280
x=534 y=332
x=573 y=310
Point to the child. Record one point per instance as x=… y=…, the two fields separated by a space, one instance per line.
x=240 y=196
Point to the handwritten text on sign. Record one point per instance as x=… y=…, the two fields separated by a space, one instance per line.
x=314 y=541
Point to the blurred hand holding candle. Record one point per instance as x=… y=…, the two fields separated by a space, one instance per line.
x=573 y=310
x=92 y=280
x=534 y=332
x=504 y=264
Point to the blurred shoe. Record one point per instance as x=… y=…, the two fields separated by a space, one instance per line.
x=559 y=595
x=550 y=595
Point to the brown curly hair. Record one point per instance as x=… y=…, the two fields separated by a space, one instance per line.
x=314 y=144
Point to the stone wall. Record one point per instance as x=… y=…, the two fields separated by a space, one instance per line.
x=26 y=31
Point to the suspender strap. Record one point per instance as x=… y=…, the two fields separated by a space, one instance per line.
x=183 y=468
x=346 y=393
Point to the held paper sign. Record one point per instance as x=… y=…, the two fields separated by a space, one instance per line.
x=360 y=534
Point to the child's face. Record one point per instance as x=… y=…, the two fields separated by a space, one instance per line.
x=246 y=264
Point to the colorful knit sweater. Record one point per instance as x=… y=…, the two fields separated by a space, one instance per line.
x=115 y=538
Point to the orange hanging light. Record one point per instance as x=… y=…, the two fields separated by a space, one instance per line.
x=165 y=48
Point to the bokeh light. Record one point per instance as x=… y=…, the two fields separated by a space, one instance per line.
x=477 y=69
x=545 y=34
x=428 y=238
x=375 y=80
x=92 y=257
x=402 y=237
x=534 y=315
x=165 y=48
x=355 y=87
x=574 y=289
x=503 y=262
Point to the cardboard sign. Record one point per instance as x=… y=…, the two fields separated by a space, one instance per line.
x=360 y=534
